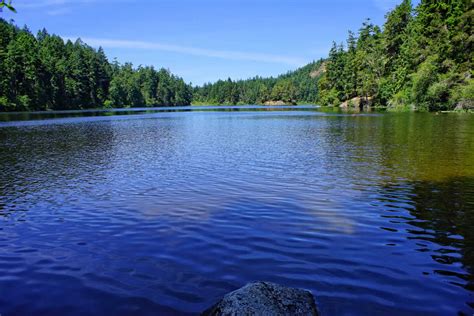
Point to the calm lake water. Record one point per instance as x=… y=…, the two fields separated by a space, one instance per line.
x=163 y=211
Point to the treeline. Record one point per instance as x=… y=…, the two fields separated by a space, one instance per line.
x=296 y=86
x=44 y=72
x=145 y=86
x=422 y=58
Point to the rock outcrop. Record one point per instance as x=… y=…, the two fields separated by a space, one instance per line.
x=278 y=102
x=357 y=103
x=464 y=105
x=318 y=72
x=265 y=298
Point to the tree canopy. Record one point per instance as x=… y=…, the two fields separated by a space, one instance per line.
x=295 y=86
x=44 y=72
x=420 y=58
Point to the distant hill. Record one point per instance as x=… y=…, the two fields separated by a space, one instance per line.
x=298 y=86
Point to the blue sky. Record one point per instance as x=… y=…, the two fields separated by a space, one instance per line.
x=205 y=40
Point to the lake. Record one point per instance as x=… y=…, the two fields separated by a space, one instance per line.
x=163 y=211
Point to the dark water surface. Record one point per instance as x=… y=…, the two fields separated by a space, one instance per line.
x=163 y=212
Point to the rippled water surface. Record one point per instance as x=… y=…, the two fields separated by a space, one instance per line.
x=163 y=212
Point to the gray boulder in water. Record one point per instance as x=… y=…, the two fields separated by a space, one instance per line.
x=265 y=298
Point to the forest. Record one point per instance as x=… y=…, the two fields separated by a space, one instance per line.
x=420 y=59
x=299 y=86
x=44 y=72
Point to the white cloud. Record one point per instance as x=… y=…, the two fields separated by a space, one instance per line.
x=223 y=54
x=49 y=3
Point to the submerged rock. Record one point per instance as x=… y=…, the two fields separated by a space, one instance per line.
x=265 y=298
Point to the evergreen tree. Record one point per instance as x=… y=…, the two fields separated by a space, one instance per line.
x=22 y=70
x=422 y=58
x=43 y=72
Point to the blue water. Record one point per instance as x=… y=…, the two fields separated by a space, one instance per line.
x=162 y=212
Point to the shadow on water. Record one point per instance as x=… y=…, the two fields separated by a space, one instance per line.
x=440 y=220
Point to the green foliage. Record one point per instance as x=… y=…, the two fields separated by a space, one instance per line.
x=329 y=96
x=463 y=95
x=400 y=101
x=297 y=86
x=5 y=104
x=284 y=90
x=43 y=72
x=395 y=33
x=466 y=92
x=24 y=102
x=422 y=58
x=8 y=5
x=422 y=81
x=438 y=95
x=108 y=104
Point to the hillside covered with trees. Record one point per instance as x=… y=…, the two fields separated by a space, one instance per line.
x=421 y=58
x=43 y=72
x=299 y=86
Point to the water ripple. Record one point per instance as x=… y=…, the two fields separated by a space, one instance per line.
x=164 y=212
